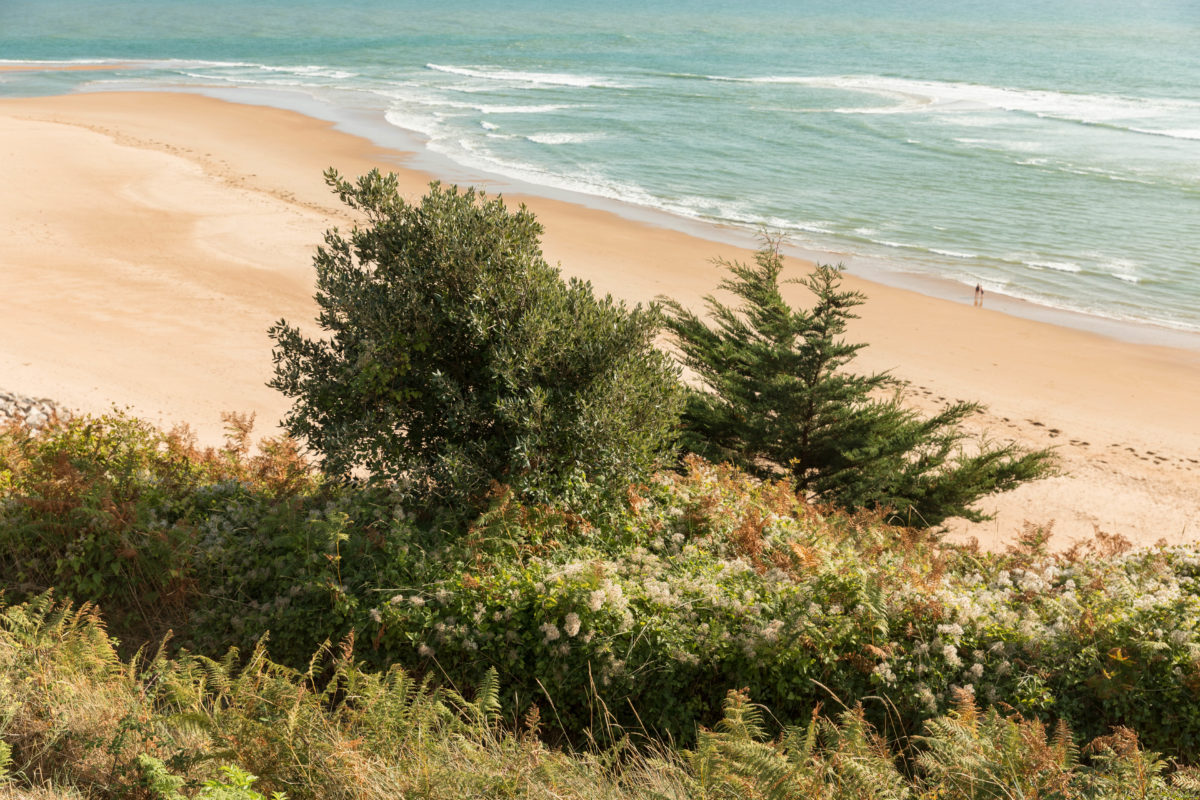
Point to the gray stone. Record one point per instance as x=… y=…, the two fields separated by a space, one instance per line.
x=35 y=412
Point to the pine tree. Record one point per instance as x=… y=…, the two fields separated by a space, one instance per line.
x=777 y=399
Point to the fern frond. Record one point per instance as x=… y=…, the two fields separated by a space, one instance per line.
x=487 y=697
x=1187 y=779
x=743 y=719
x=1064 y=746
x=800 y=746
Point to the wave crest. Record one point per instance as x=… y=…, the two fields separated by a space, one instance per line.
x=534 y=78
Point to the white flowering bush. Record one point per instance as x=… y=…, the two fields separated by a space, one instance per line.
x=706 y=582
x=711 y=581
x=699 y=583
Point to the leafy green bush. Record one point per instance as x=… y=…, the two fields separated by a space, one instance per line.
x=712 y=580
x=302 y=572
x=90 y=507
x=103 y=509
x=697 y=583
x=778 y=401
x=456 y=357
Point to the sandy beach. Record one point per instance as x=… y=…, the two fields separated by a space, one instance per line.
x=147 y=241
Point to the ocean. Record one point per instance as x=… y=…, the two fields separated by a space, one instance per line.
x=1048 y=151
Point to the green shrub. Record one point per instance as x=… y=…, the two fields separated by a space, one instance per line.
x=645 y=615
x=777 y=400
x=107 y=510
x=455 y=356
x=91 y=507
x=710 y=581
x=302 y=572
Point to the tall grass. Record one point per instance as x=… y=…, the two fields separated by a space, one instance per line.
x=78 y=721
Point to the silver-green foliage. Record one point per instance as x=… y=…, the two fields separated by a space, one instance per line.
x=455 y=356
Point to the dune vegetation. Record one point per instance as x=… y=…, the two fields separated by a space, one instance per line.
x=466 y=578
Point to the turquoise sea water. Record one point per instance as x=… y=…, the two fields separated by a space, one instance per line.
x=1050 y=151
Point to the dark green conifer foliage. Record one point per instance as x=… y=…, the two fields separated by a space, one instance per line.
x=777 y=399
x=454 y=355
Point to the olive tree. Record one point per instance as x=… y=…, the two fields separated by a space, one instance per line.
x=455 y=356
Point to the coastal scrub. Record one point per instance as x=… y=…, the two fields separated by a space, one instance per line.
x=454 y=357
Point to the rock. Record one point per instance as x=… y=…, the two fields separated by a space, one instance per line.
x=35 y=412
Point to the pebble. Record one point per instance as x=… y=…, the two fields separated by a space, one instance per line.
x=35 y=411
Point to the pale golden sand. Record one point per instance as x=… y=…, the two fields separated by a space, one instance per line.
x=148 y=240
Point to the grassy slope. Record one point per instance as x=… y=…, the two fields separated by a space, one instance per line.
x=699 y=585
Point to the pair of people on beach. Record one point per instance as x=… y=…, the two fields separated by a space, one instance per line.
x=978 y=295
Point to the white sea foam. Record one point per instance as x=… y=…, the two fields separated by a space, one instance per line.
x=1008 y=145
x=313 y=71
x=488 y=126
x=952 y=253
x=203 y=77
x=1057 y=266
x=563 y=138
x=426 y=124
x=919 y=96
x=1123 y=269
x=196 y=63
x=1049 y=164
x=474 y=153
x=471 y=155
x=422 y=96
x=249 y=73
x=502 y=109
x=534 y=78
x=749 y=218
x=241 y=81
x=1178 y=133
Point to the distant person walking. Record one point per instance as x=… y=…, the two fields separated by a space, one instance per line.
x=978 y=296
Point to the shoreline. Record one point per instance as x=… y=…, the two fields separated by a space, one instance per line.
x=873 y=270
x=188 y=229
x=414 y=154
